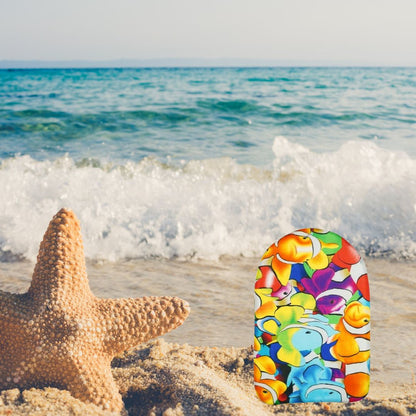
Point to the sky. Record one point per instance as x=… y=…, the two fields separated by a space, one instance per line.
x=354 y=32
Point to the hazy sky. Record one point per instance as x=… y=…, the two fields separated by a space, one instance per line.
x=349 y=31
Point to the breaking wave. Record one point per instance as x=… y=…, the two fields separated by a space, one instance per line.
x=209 y=208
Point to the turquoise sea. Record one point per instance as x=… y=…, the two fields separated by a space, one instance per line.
x=205 y=162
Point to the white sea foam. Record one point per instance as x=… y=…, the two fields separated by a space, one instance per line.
x=209 y=208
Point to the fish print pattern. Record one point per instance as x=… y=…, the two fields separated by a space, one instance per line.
x=312 y=321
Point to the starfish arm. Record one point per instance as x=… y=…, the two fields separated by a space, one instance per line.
x=93 y=382
x=128 y=322
x=60 y=269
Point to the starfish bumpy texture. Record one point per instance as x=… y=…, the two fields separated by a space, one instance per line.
x=59 y=334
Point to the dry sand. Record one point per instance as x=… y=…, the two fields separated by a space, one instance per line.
x=170 y=379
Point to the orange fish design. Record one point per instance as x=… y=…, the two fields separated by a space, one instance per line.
x=269 y=389
x=353 y=348
x=297 y=247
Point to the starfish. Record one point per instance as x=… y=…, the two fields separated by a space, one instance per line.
x=59 y=334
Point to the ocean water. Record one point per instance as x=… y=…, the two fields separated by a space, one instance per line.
x=200 y=163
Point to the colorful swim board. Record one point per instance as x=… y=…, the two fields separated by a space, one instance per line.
x=312 y=321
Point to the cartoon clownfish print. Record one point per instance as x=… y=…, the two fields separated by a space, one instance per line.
x=352 y=348
x=298 y=247
x=268 y=384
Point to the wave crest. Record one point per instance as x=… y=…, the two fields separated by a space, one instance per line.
x=209 y=208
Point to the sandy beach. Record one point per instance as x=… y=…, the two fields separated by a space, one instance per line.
x=205 y=366
x=171 y=379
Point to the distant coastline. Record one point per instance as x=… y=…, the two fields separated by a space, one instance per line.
x=182 y=63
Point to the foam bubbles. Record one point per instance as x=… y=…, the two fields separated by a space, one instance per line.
x=215 y=207
x=361 y=191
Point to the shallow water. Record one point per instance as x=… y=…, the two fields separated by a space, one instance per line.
x=219 y=293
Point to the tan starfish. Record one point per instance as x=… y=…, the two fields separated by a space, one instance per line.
x=59 y=334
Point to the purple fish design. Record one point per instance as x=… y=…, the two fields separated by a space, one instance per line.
x=332 y=288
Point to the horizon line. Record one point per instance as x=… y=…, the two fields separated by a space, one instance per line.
x=185 y=63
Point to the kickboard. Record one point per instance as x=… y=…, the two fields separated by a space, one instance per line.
x=312 y=321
